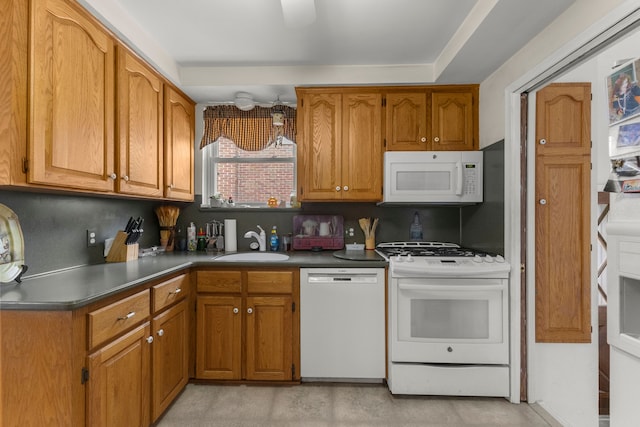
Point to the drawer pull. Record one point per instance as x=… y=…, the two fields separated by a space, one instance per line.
x=128 y=316
x=177 y=291
x=149 y=339
x=161 y=332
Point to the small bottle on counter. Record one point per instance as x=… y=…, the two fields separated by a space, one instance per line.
x=191 y=237
x=201 y=244
x=274 y=241
x=415 y=231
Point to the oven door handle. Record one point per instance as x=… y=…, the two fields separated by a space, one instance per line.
x=496 y=287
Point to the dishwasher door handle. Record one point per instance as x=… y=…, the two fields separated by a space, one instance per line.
x=321 y=280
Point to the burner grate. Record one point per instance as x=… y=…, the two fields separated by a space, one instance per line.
x=425 y=249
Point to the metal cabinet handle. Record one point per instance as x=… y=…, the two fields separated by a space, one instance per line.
x=249 y=310
x=543 y=201
x=127 y=316
x=235 y=310
x=149 y=339
x=176 y=291
x=161 y=332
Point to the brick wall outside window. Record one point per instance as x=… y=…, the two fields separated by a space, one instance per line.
x=255 y=182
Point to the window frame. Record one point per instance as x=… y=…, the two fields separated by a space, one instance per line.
x=210 y=163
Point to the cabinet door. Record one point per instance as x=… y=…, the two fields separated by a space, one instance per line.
x=179 y=116
x=219 y=337
x=119 y=387
x=406 y=121
x=319 y=133
x=71 y=142
x=139 y=128
x=361 y=153
x=269 y=342
x=563 y=213
x=170 y=371
x=453 y=121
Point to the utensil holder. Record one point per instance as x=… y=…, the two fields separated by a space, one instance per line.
x=120 y=252
x=370 y=243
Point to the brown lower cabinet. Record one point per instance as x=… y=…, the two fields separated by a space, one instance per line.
x=247 y=325
x=117 y=362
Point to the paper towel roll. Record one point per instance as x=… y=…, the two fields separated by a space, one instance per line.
x=230 y=239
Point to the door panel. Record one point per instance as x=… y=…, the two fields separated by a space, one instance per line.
x=562 y=214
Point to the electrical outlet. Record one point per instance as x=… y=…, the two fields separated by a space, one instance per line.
x=92 y=237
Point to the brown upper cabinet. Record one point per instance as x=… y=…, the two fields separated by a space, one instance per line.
x=71 y=114
x=139 y=127
x=179 y=116
x=84 y=116
x=434 y=118
x=339 y=145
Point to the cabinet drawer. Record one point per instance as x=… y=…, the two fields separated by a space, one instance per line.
x=270 y=282
x=219 y=281
x=166 y=293
x=107 y=322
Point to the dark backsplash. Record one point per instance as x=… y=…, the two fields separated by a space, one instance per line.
x=55 y=226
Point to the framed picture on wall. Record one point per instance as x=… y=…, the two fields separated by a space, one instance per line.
x=624 y=93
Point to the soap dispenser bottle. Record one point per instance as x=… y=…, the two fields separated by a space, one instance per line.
x=415 y=231
x=274 y=241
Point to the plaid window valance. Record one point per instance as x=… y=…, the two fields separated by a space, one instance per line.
x=250 y=130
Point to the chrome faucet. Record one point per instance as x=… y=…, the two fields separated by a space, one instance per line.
x=261 y=238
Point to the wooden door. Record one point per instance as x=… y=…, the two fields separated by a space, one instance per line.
x=562 y=213
x=119 y=385
x=219 y=337
x=269 y=341
x=406 y=121
x=71 y=139
x=170 y=370
x=179 y=116
x=452 y=121
x=361 y=153
x=319 y=134
x=139 y=127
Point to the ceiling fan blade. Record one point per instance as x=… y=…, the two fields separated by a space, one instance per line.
x=298 y=13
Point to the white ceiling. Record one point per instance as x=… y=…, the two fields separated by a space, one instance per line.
x=215 y=48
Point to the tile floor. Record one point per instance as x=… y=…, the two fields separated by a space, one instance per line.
x=330 y=404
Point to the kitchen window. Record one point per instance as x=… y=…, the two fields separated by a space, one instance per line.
x=248 y=178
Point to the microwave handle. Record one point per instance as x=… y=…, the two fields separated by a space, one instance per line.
x=459 y=179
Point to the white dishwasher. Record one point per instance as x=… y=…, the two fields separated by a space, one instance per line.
x=342 y=324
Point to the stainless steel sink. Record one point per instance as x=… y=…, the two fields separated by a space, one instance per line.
x=252 y=256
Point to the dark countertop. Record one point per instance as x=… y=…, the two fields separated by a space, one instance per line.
x=77 y=287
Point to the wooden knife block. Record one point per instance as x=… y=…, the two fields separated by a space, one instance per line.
x=120 y=252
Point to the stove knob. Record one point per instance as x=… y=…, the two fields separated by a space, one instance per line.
x=477 y=259
x=409 y=258
x=499 y=258
x=488 y=258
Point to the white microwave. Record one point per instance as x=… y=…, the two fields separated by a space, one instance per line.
x=444 y=177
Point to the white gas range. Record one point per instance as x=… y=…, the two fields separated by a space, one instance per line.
x=448 y=320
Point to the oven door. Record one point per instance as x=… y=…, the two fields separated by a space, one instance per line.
x=449 y=320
